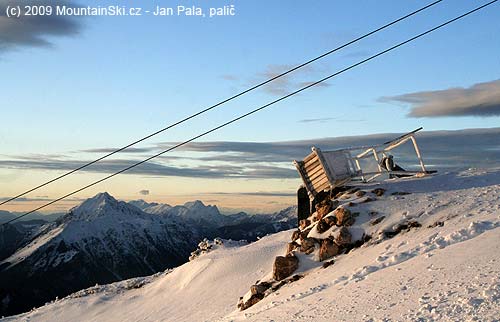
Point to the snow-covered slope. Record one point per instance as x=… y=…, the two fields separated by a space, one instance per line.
x=101 y=241
x=446 y=270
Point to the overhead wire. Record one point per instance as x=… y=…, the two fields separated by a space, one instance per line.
x=259 y=108
x=252 y=88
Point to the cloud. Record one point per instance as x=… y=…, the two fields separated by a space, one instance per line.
x=287 y=83
x=273 y=160
x=322 y=84
x=327 y=119
x=155 y=169
x=482 y=99
x=318 y=120
x=256 y=194
x=144 y=192
x=109 y=150
x=38 y=199
x=445 y=149
x=34 y=31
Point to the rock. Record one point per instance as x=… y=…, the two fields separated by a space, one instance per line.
x=307 y=245
x=328 y=249
x=377 y=220
x=368 y=200
x=323 y=208
x=389 y=234
x=360 y=193
x=304 y=223
x=294 y=278
x=323 y=225
x=251 y=301
x=414 y=224
x=291 y=247
x=436 y=224
x=304 y=233
x=378 y=192
x=399 y=227
x=328 y=263
x=259 y=288
x=400 y=193
x=344 y=217
x=330 y=220
x=406 y=226
x=344 y=237
x=284 y=266
x=295 y=235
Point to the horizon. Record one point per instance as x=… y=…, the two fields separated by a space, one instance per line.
x=79 y=87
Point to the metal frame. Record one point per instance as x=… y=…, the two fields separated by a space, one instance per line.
x=318 y=175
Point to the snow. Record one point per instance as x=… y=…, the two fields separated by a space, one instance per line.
x=29 y=249
x=432 y=273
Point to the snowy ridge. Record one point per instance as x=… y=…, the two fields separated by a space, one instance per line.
x=101 y=241
x=448 y=269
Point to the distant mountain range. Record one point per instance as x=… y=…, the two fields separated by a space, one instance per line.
x=104 y=240
x=6 y=216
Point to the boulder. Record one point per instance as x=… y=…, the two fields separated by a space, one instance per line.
x=330 y=220
x=307 y=245
x=377 y=220
x=328 y=249
x=344 y=237
x=400 y=193
x=344 y=217
x=323 y=225
x=259 y=288
x=379 y=191
x=368 y=200
x=284 y=266
x=251 y=301
x=360 y=193
x=295 y=235
x=328 y=263
x=304 y=233
x=436 y=224
x=291 y=247
x=304 y=223
x=323 y=208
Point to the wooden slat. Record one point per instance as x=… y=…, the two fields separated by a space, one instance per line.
x=311 y=165
x=320 y=182
x=309 y=157
x=315 y=173
x=313 y=170
x=311 y=161
x=318 y=178
x=324 y=186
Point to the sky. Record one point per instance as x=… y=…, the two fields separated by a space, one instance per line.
x=73 y=88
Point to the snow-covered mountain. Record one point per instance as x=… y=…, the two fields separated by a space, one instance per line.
x=105 y=240
x=208 y=220
x=101 y=241
x=445 y=270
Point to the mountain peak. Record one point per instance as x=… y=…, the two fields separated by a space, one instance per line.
x=143 y=204
x=195 y=204
x=102 y=204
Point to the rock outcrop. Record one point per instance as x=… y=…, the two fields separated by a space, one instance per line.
x=284 y=266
